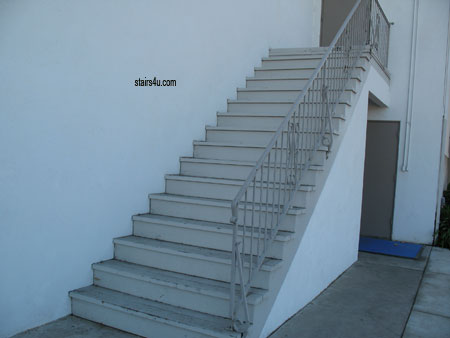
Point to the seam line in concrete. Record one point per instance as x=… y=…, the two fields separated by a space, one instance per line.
x=431 y=313
x=417 y=291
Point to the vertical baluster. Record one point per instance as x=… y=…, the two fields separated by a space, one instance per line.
x=310 y=100
x=299 y=146
x=319 y=112
x=301 y=109
x=260 y=209
x=244 y=223
x=252 y=235
x=267 y=201
x=280 y=170
x=286 y=164
x=273 y=188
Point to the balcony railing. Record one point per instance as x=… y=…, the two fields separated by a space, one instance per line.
x=379 y=34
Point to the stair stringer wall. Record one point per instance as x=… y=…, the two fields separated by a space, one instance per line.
x=328 y=245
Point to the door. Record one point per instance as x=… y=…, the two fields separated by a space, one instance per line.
x=380 y=174
x=334 y=13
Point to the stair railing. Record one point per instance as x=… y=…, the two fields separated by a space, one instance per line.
x=379 y=34
x=263 y=201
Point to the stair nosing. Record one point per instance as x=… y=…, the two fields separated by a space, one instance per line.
x=252 y=78
x=238 y=145
x=362 y=67
x=224 y=228
x=242 y=89
x=166 y=248
x=204 y=286
x=224 y=181
x=272 y=102
x=310 y=56
x=293 y=57
x=247 y=114
x=221 y=203
x=248 y=129
x=153 y=316
x=313 y=167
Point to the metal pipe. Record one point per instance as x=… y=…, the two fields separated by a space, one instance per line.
x=410 y=101
x=444 y=140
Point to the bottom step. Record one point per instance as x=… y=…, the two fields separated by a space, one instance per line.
x=145 y=317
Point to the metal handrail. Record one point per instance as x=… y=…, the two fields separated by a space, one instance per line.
x=266 y=196
x=379 y=34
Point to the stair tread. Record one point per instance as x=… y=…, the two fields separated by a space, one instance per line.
x=241 y=145
x=293 y=57
x=299 y=50
x=363 y=67
x=271 y=114
x=175 y=279
x=285 y=90
x=214 y=202
x=220 y=256
x=252 y=78
x=290 y=101
x=316 y=167
x=257 y=129
x=303 y=187
x=306 y=56
x=159 y=311
x=211 y=226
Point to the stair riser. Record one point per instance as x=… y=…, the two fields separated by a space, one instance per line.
x=261 y=107
x=300 y=63
x=304 y=62
x=295 y=73
x=283 y=95
x=260 y=122
x=192 y=236
x=252 y=108
x=234 y=171
x=240 y=153
x=168 y=294
x=211 y=213
x=130 y=322
x=244 y=137
x=283 y=73
x=227 y=192
x=296 y=51
x=292 y=84
x=184 y=264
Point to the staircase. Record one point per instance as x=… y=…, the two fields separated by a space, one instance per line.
x=189 y=270
x=171 y=278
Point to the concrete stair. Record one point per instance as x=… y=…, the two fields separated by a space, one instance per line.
x=171 y=277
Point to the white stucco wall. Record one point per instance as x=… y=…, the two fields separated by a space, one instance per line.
x=330 y=243
x=81 y=147
x=416 y=189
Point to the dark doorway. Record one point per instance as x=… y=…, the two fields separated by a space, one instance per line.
x=380 y=174
x=334 y=13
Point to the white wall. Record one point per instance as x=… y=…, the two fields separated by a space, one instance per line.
x=330 y=243
x=81 y=147
x=416 y=189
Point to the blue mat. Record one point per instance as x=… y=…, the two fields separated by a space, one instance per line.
x=390 y=248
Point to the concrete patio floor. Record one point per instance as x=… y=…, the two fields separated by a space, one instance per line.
x=379 y=296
